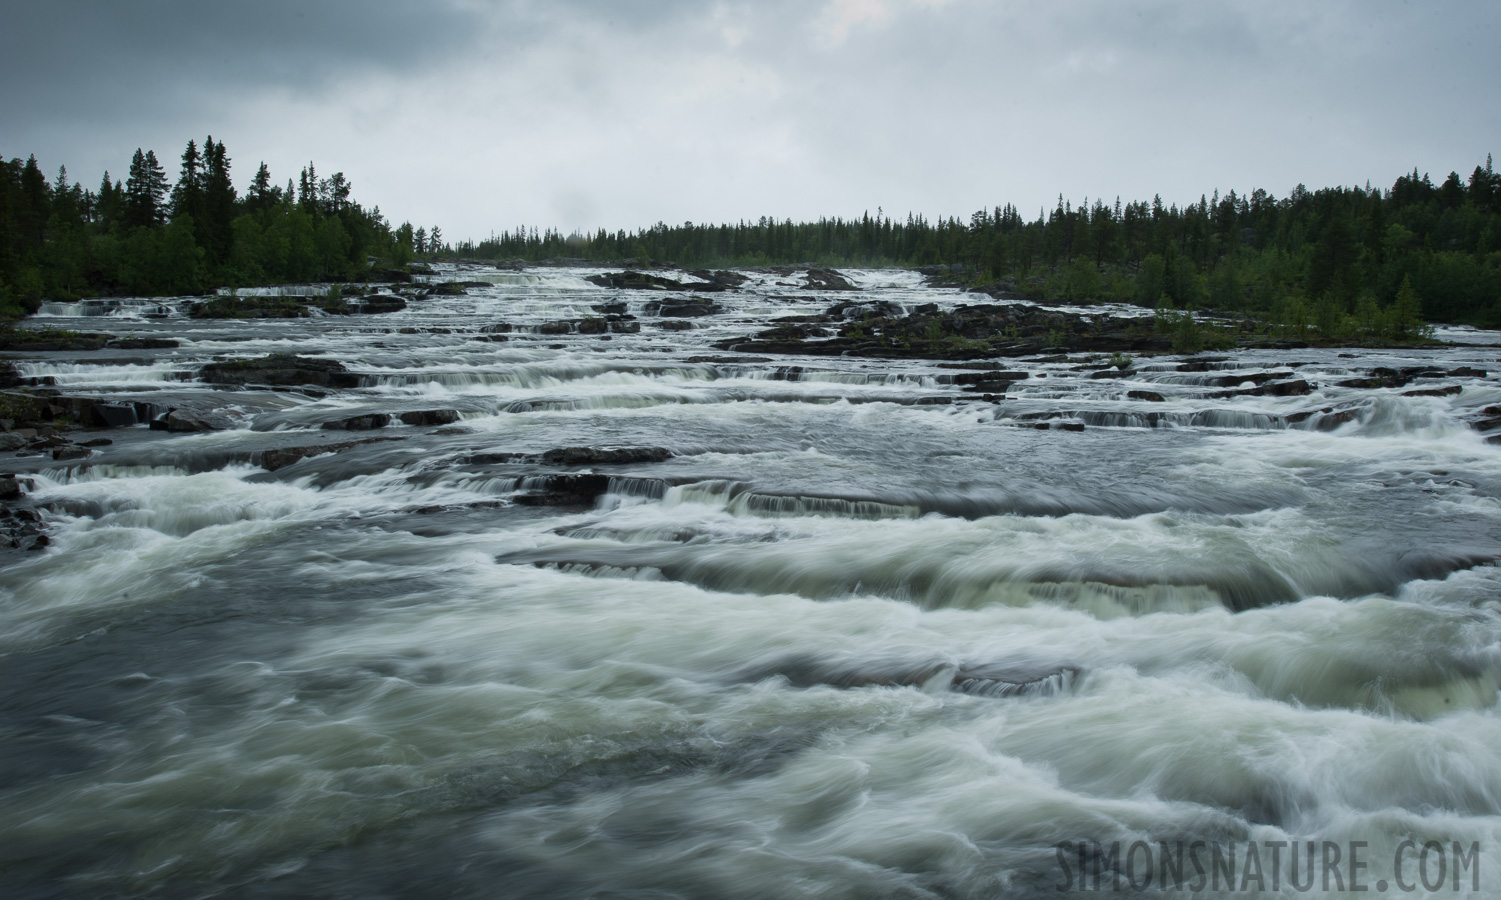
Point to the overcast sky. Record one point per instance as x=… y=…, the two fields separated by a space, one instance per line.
x=485 y=114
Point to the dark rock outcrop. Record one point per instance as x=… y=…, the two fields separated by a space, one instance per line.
x=964 y=332
x=564 y=490
x=367 y=422
x=1149 y=396
x=281 y=457
x=193 y=420
x=641 y=281
x=583 y=456
x=376 y=304
x=280 y=369
x=687 y=308
x=143 y=344
x=430 y=417
x=826 y=280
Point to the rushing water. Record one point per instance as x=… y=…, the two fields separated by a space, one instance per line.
x=864 y=635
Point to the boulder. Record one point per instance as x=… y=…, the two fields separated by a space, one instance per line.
x=72 y=452
x=428 y=417
x=11 y=441
x=10 y=487
x=1149 y=396
x=366 y=422
x=111 y=415
x=192 y=420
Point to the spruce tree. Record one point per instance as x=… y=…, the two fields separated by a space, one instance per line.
x=261 y=194
x=218 y=203
x=187 y=194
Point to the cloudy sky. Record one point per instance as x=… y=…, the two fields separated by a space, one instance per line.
x=485 y=114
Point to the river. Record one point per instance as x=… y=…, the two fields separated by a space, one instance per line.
x=864 y=634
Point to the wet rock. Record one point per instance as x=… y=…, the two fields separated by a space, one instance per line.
x=640 y=281
x=41 y=543
x=111 y=415
x=582 y=456
x=250 y=308
x=1149 y=396
x=143 y=344
x=281 y=457
x=72 y=452
x=96 y=442
x=1295 y=388
x=430 y=417
x=10 y=487
x=1113 y=373
x=1466 y=372
x=869 y=309
x=675 y=325
x=724 y=278
x=990 y=377
x=192 y=420
x=366 y=422
x=1448 y=391
x=1283 y=389
x=379 y=304
x=47 y=340
x=11 y=441
x=690 y=307
x=826 y=280
x=280 y=369
x=1333 y=420
x=564 y=490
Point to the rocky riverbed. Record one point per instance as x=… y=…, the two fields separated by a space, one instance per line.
x=566 y=581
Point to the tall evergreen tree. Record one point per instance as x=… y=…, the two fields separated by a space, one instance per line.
x=145 y=192
x=218 y=203
x=187 y=194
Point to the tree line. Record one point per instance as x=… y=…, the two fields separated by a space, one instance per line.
x=147 y=236
x=1330 y=259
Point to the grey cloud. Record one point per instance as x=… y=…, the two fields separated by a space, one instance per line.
x=618 y=113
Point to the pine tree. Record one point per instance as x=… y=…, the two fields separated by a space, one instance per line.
x=435 y=241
